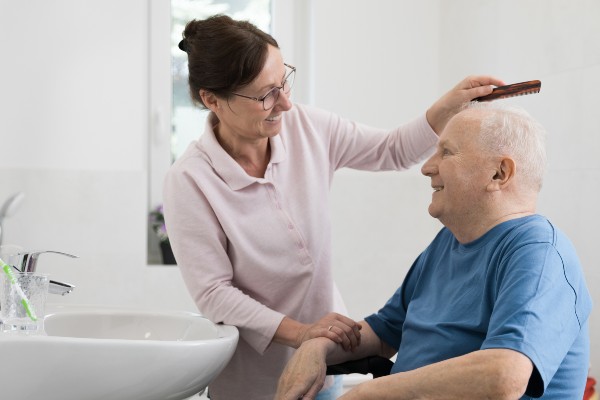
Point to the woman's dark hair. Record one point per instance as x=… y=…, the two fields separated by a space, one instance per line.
x=223 y=54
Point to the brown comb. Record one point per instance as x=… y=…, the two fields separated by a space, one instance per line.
x=516 y=89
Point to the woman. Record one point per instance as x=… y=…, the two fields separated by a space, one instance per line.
x=246 y=205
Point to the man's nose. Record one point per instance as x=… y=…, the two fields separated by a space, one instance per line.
x=430 y=167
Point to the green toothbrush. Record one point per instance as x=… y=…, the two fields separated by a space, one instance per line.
x=24 y=300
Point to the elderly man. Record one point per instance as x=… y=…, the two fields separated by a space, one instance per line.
x=496 y=307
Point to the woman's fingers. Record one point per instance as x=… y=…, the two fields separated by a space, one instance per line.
x=346 y=330
x=336 y=327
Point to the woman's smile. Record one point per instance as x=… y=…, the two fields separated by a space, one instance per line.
x=274 y=118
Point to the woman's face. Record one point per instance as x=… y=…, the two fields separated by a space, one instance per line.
x=245 y=119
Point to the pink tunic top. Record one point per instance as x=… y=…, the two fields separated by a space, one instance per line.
x=252 y=250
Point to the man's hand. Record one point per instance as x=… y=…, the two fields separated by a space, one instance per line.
x=304 y=374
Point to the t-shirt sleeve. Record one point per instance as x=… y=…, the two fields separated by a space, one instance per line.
x=535 y=311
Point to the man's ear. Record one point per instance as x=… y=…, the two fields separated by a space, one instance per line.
x=504 y=174
x=209 y=99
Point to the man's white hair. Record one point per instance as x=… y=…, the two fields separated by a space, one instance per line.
x=511 y=131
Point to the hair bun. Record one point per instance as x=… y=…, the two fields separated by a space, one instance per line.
x=183 y=45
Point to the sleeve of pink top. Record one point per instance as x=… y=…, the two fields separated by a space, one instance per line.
x=358 y=146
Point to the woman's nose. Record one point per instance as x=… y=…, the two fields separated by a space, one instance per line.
x=283 y=101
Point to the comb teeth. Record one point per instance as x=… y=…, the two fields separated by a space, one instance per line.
x=515 y=89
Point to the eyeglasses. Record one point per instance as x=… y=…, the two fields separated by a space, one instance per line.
x=271 y=98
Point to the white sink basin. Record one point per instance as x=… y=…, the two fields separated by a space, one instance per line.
x=93 y=353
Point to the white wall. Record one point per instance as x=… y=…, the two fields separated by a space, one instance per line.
x=74 y=127
x=378 y=65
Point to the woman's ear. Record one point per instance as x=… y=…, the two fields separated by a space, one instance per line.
x=209 y=99
x=505 y=172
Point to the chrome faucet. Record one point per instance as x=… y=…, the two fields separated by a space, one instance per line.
x=27 y=262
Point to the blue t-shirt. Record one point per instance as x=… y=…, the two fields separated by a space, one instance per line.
x=520 y=286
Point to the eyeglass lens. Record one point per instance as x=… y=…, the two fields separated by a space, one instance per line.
x=271 y=98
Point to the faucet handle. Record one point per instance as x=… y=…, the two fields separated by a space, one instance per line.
x=28 y=260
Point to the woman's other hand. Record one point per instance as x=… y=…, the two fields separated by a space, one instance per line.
x=451 y=103
x=336 y=327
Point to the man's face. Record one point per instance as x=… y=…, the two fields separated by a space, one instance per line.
x=460 y=172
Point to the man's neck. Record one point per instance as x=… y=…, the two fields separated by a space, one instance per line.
x=473 y=231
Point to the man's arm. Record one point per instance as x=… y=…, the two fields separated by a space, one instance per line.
x=304 y=374
x=484 y=374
